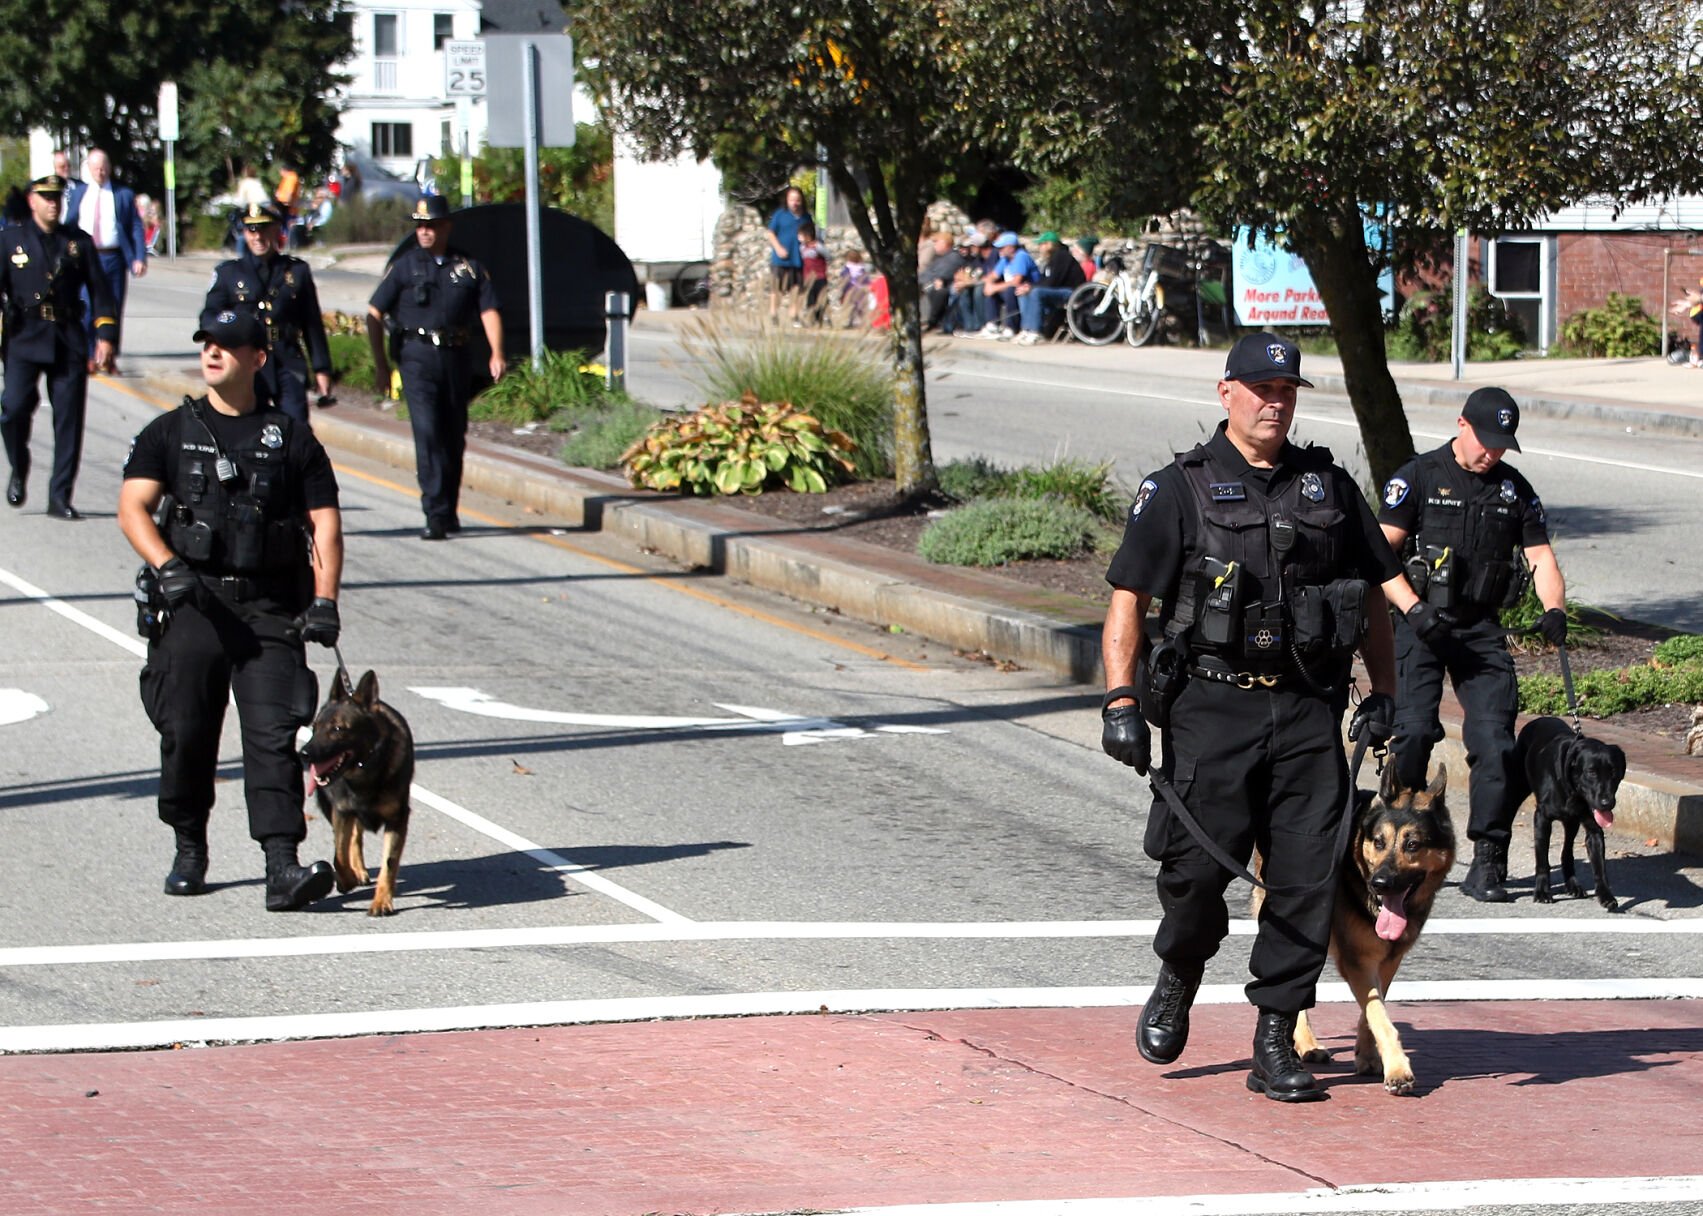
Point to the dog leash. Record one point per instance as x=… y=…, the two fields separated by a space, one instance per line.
x=343 y=671
x=1567 y=684
x=1174 y=800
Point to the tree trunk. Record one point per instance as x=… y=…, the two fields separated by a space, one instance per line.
x=1333 y=244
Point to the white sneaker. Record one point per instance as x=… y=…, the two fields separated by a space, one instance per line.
x=1028 y=338
x=992 y=331
x=1003 y=334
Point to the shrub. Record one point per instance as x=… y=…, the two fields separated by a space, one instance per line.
x=739 y=447
x=1620 y=329
x=206 y=231
x=600 y=438
x=977 y=477
x=1686 y=648
x=1523 y=616
x=359 y=222
x=1423 y=332
x=352 y=362
x=845 y=381
x=1612 y=691
x=1078 y=482
x=562 y=381
x=995 y=531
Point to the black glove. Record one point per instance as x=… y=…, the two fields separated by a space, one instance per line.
x=178 y=583
x=1125 y=736
x=1553 y=626
x=1375 y=715
x=320 y=623
x=1428 y=623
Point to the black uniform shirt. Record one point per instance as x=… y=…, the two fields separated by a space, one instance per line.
x=155 y=453
x=1404 y=505
x=422 y=291
x=286 y=284
x=51 y=268
x=1162 y=524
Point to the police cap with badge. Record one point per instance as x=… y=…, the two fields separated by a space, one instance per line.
x=231 y=330
x=429 y=209
x=1494 y=418
x=1262 y=357
x=258 y=215
x=51 y=184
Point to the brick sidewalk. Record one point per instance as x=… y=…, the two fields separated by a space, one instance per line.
x=774 y=1114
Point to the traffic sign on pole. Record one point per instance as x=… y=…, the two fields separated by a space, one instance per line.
x=464 y=68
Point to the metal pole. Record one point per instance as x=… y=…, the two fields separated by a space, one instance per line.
x=171 y=200
x=464 y=112
x=615 y=309
x=1457 y=339
x=1667 y=258
x=534 y=232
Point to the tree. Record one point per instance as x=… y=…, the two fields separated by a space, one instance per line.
x=257 y=81
x=882 y=93
x=1447 y=114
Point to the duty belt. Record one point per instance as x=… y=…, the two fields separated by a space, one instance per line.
x=437 y=337
x=1241 y=679
x=241 y=588
x=47 y=311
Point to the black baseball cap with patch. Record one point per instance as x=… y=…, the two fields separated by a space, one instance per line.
x=231 y=329
x=1494 y=418
x=1264 y=356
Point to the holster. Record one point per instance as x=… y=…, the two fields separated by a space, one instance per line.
x=1160 y=675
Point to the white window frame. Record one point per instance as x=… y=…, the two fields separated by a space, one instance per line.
x=1545 y=293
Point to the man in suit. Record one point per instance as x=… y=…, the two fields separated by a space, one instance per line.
x=44 y=265
x=108 y=214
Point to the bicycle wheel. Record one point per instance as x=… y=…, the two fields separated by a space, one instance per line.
x=1145 y=322
x=1092 y=314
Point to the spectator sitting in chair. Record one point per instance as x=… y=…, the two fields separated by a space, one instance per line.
x=969 y=306
x=1042 y=302
x=1085 y=248
x=937 y=281
x=1015 y=269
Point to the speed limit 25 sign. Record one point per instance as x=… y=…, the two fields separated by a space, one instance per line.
x=464 y=69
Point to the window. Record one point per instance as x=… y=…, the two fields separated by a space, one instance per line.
x=443 y=29
x=393 y=139
x=384 y=35
x=1521 y=273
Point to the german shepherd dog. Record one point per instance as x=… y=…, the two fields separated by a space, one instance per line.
x=360 y=761
x=1577 y=781
x=1401 y=849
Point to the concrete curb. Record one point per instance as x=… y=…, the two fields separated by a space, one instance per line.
x=969 y=610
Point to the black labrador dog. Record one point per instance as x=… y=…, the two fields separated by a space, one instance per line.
x=1575 y=780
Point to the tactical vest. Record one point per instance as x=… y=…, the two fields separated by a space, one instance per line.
x=241 y=523
x=1477 y=524
x=1260 y=589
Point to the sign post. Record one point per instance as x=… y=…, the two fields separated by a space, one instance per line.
x=169 y=135
x=464 y=79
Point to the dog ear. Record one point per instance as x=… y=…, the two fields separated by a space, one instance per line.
x=1618 y=757
x=1389 y=789
x=367 y=691
x=1439 y=786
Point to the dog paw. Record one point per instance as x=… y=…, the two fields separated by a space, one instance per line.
x=1610 y=904
x=1543 y=896
x=1399 y=1080
x=1366 y=1066
x=381 y=907
x=1574 y=890
x=1316 y=1055
x=345 y=881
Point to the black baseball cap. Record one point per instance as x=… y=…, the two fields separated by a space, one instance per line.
x=231 y=330
x=1494 y=418
x=1264 y=356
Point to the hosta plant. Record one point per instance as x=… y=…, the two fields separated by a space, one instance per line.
x=739 y=447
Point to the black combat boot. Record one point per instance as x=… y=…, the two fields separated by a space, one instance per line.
x=289 y=884
x=189 y=868
x=1165 y=1018
x=1278 y=1072
x=1489 y=869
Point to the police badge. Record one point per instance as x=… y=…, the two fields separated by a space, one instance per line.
x=271 y=436
x=1312 y=487
x=1507 y=493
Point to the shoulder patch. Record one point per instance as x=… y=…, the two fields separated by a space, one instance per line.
x=1537 y=511
x=1395 y=491
x=1143 y=496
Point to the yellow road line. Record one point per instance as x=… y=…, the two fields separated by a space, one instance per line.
x=666 y=583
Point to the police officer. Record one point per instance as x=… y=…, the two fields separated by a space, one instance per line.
x=234 y=508
x=1265 y=556
x=47 y=265
x=279 y=290
x=1461 y=518
x=432 y=296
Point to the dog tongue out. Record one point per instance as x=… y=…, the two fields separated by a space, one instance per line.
x=1392 y=916
x=1605 y=819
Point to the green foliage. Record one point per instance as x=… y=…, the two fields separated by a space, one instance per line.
x=1424 y=331
x=1616 y=690
x=1522 y=618
x=525 y=394
x=352 y=362
x=579 y=180
x=995 y=531
x=205 y=231
x=845 y=381
x=739 y=447
x=1066 y=205
x=1079 y=483
x=1620 y=329
x=1686 y=648
x=977 y=477
x=358 y=221
x=600 y=438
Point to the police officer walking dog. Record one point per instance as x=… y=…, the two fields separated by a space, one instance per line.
x=1461 y=518
x=46 y=267
x=432 y=297
x=279 y=290
x=221 y=499
x=1265 y=556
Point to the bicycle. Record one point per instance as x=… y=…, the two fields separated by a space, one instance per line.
x=1133 y=303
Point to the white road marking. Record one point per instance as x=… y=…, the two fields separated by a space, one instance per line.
x=676 y=929
x=568 y=869
x=129 y=1035
x=793 y=729
x=16 y=706
x=1359 y=1197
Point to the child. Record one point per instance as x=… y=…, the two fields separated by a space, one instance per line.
x=815 y=273
x=854 y=286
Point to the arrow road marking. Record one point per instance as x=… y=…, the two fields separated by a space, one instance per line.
x=16 y=705
x=793 y=729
